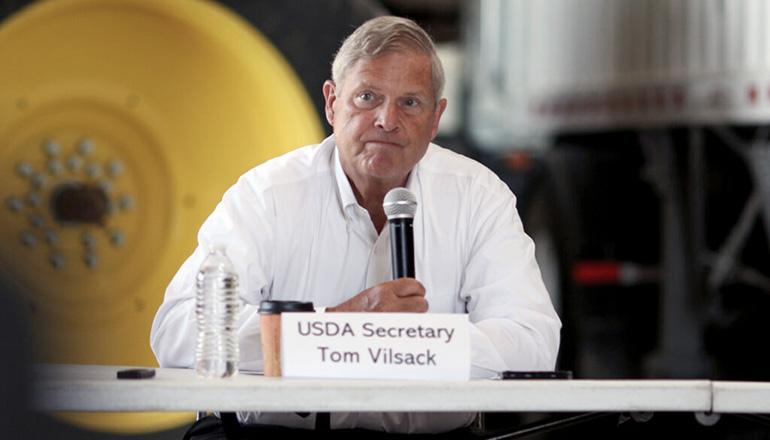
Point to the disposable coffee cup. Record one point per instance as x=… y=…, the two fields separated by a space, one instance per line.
x=270 y=326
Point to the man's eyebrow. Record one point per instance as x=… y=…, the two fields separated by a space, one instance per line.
x=421 y=95
x=410 y=94
x=366 y=85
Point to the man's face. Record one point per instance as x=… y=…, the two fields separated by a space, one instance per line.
x=384 y=115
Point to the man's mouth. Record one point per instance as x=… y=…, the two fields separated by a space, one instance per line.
x=383 y=142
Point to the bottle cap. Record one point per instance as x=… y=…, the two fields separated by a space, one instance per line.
x=277 y=307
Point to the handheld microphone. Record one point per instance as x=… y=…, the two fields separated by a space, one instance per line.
x=400 y=206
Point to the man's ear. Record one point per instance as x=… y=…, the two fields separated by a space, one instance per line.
x=330 y=96
x=440 y=107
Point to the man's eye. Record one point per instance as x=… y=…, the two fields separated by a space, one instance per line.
x=366 y=100
x=411 y=102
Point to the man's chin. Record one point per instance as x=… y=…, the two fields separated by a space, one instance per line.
x=385 y=171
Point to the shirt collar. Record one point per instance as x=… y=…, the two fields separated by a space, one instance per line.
x=344 y=189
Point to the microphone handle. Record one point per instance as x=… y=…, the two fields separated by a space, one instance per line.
x=402 y=247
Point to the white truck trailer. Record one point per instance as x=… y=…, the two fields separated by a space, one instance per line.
x=649 y=123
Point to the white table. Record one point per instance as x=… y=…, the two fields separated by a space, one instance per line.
x=741 y=397
x=96 y=388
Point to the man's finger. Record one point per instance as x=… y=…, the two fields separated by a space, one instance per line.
x=404 y=287
x=415 y=304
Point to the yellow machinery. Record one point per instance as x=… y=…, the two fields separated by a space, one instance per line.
x=122 y=122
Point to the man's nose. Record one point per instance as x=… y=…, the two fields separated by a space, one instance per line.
x=387 y=116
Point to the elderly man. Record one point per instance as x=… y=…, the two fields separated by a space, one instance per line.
x=309 y=226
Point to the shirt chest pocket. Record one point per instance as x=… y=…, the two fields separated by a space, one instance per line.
x=440 y=271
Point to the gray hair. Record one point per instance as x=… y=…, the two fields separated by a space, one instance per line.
x=383 y=34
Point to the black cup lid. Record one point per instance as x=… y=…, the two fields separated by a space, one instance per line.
x=274 y=307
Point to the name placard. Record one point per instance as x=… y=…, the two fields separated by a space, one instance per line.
x=429 y=346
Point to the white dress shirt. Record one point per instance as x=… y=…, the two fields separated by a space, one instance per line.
x=294 y=231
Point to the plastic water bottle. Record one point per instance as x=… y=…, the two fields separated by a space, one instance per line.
x=216 y=310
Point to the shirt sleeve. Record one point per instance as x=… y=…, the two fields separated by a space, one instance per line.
x=513 y=323
x=242 y=222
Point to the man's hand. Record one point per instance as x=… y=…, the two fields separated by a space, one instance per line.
x=401 y=295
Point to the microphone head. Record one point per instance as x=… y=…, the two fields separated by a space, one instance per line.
x=400 y=203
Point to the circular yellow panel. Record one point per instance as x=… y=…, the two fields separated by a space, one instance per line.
x=122 y=122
